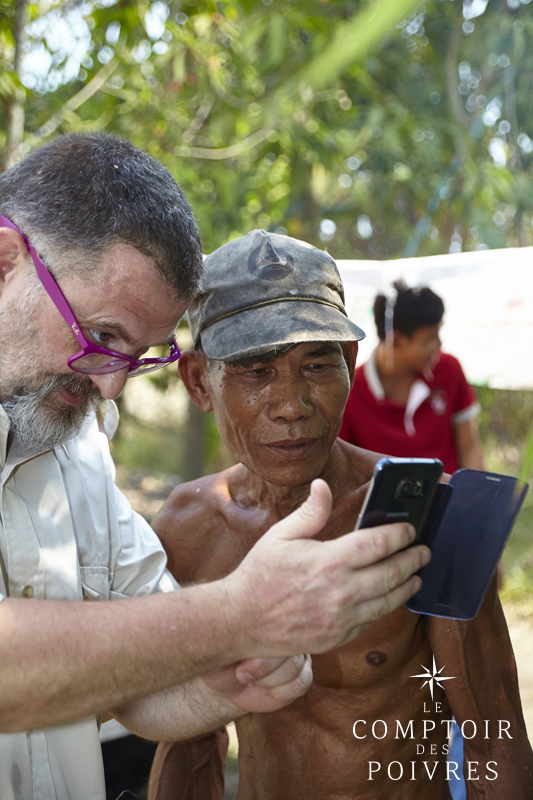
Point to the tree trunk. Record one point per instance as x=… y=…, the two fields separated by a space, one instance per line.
x=456 y=103
x=193 y=456
x=15 y=106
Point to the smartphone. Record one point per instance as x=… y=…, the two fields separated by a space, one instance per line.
x=401 y=490
x=467 y=546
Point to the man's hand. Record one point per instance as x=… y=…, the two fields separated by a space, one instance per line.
x=311 y=596
x=261 y=685
x=225 y=694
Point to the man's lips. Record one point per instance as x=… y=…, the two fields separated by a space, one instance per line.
x=71 y=398
x=291 y=448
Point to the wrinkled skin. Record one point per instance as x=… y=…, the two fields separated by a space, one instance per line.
x=281 y=420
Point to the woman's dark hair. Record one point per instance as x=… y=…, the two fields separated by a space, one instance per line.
x=413 y=307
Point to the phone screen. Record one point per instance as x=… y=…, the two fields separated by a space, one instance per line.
x=467 y=547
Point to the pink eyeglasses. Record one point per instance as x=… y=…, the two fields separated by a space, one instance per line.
x=91 y=359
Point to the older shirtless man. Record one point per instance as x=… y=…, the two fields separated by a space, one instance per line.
x=274 y=360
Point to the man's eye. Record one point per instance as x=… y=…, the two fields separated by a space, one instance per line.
x=257 y=371
x=100 y=337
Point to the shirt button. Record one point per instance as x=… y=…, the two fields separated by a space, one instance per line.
x=27 y=591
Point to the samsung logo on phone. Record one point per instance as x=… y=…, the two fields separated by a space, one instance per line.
x=397 y=513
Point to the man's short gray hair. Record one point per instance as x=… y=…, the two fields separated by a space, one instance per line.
x=80 y=194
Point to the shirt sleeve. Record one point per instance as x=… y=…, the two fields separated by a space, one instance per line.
x=118 y=553
x=140 y=566
x=466 y=405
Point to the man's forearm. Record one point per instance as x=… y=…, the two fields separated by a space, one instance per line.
x=180 y=712
x=468 y=445
x=202 y=705
x=61 y=661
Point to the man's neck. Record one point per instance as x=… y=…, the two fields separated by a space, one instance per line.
x=396 y=377
x=249 y=489
x=392 y=368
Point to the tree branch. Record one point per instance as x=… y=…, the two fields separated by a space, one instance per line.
x=234 y=150
x=74 y=103
x=201 y=116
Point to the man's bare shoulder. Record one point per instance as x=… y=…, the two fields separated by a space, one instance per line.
x=360 y=462
x=191 y=517
x=364 y=458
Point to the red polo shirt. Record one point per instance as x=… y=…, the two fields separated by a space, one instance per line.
x=423 y=428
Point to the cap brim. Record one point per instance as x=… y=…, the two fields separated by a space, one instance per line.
x=259 y=330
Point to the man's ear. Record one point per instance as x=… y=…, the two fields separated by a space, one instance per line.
x=13 y=255
x=350 y=356
x=400 y=341
x=192 y=369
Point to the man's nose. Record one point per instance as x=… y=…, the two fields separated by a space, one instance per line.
x=111 y=384
x=290 y=400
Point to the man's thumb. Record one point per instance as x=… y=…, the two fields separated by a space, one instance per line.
x=309 y=518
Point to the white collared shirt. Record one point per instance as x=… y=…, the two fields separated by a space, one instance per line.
x=67 y=533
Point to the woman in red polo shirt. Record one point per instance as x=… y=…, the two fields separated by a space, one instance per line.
x=410 y=399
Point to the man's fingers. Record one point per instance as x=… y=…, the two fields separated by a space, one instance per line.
x=378 y=580
x=223 y=681
x=288 y=670
x=298 y=686
x=255 y=669
x=372 y=610
x=369 y=545
x=308 y=519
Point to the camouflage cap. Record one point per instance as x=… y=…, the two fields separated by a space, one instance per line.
x=265 y=291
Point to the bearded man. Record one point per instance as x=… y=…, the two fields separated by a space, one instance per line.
x=275 y=362
x=99 y=257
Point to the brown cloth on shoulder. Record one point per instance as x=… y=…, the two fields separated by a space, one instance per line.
x=190 y=770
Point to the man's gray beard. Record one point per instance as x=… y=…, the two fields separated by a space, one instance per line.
x=40 y=420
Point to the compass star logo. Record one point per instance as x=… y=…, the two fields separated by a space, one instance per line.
x=432 y=677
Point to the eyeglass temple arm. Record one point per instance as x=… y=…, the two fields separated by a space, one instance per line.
x=50 y=284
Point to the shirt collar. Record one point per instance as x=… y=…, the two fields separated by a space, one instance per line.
x=372 y=377
x=5 y=424
x=17 y=453
x=420 y=391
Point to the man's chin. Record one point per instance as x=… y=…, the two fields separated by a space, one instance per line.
x=49 y=423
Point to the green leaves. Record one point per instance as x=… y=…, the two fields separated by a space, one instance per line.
x=281 y=115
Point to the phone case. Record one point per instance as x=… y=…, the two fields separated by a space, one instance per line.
x=386 y=500
x=476 y=519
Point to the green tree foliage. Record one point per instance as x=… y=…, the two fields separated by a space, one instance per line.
x=301 y=117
